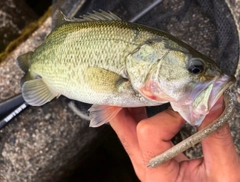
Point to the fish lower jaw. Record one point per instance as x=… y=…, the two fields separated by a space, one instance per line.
x=210 y=95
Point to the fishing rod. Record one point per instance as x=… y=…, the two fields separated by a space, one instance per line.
x=11 y=108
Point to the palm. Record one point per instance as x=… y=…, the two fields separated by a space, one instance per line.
x=144 y=138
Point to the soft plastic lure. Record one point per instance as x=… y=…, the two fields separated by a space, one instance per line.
x=197 y=137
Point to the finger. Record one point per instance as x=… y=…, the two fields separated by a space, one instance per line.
x=218 y=148
x=125 y=127
x=154 y=136
x=139 y=113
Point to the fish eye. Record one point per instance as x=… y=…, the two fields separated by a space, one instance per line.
x=196 y=66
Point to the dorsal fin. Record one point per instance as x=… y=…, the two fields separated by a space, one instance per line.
x=95 y=16
x=61 y=18
x=99 y=16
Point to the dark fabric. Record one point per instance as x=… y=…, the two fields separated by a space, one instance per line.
x=227 y=34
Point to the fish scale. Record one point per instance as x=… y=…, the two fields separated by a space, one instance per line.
x=77 y=67
x=111 y=64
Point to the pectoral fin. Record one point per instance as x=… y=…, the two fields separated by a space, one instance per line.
x=36 y=92
x=100 y=114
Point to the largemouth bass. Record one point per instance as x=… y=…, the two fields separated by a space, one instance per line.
x=112 y=64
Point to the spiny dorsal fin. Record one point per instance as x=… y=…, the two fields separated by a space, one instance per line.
x=100 y=16
x=95 y=16
x=61 y=18
x=23 y=61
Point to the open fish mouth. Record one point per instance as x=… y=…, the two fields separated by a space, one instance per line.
x=207 y=97
x=196 y=105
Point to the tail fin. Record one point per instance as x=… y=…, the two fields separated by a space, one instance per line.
x=23 y=61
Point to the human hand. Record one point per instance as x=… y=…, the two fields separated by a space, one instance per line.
x=143 y=138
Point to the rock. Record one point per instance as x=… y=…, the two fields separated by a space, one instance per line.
x=14 y=16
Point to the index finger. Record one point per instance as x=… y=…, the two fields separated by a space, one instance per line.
x=154 y=137
x=124 y=124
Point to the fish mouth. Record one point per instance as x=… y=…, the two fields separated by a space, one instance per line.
x=205 y=96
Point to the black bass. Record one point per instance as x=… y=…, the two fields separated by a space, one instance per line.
x=112 y=64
